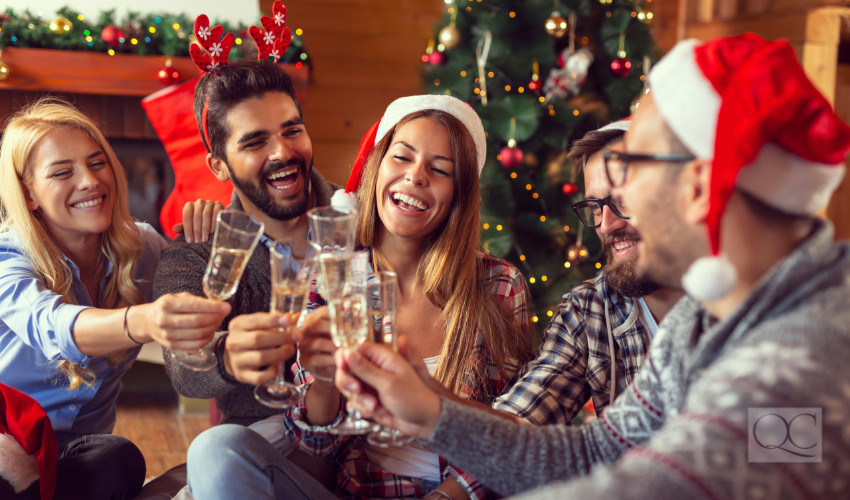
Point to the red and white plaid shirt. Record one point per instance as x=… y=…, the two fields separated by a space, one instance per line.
x=357 y=476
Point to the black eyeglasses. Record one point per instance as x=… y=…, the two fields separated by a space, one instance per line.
x=616 y=163
x=589 y=211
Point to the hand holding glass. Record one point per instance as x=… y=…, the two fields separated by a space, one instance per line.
x=236 y=236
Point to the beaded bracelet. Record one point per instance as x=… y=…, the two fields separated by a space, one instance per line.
x=127 y=329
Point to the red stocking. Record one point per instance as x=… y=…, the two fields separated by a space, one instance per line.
x=170 y=112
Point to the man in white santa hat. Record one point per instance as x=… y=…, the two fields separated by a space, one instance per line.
x=745 y=392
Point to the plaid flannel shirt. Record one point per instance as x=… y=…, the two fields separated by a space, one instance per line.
x=573 y=362
x=357 y=477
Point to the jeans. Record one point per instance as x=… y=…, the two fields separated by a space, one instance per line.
x=95 y=467
x=234 y=462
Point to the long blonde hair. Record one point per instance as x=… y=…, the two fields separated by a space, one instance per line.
x=451 y=268
x=120 y=244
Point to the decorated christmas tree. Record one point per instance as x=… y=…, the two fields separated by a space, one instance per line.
x=540 y=74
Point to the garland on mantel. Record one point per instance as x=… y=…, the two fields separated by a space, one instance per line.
x=140 y=34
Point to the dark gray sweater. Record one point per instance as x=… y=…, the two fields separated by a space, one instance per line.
x=181 y=269
x=683 y=428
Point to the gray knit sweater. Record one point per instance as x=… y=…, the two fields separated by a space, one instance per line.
x=681 y=429
x=181 y=269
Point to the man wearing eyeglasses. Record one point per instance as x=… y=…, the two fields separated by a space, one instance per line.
x=746 y=392
x=600 y=335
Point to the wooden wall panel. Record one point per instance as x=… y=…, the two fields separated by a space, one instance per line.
x=364 y=54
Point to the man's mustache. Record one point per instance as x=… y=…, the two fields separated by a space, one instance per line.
x=278 y=165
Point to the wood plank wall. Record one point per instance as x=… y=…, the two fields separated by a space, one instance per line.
x=364 y=53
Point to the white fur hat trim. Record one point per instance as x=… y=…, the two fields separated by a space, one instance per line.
x=16 y=467
x=617 y=125
x=404 y=106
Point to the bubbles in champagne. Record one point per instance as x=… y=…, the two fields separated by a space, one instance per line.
x=349 y=321
x=223 y=272
x=288 y=300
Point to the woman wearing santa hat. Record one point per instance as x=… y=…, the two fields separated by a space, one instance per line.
x=463 y=311
x=75 y=276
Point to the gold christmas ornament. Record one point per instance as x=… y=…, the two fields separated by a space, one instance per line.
x=60 y=26
x=556 y=25
x=449 y=36
x=4 y=71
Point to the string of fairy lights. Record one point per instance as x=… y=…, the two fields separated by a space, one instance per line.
x=141 y=34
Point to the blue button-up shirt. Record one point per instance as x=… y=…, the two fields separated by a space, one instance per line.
x=36 y=332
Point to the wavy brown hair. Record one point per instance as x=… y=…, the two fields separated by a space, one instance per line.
x=120 y=244
x=451 y=267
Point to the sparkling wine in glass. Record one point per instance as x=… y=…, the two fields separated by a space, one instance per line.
x=236 y=236
x=291 y=274
x=349 y=318
x=381 y=298
x=331 y=233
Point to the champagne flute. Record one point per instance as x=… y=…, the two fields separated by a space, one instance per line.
x=349 y=318
x=331 y=233
x=236 y=236
x=331 y=230
x=381 y=297
x=290 y=283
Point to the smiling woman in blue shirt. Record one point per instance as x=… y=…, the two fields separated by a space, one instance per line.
x=75 y=281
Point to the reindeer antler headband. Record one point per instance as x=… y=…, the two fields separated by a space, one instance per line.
x=272 y=41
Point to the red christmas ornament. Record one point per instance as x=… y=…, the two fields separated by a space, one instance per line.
x=112 y=35
x=437 y=58
x=168 y=75
x=425 y=57
x=535 y=85
x=569 y=188
x=510 y=157
x=621 y=67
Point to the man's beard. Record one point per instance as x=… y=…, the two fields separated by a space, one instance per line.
x=620 y=273
x=255 y=191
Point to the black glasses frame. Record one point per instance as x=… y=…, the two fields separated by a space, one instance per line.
x=626 y=158
x=601 y=202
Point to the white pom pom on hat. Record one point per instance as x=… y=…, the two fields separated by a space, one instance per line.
x=746 y=104
x=397 y=110
x=344 y=202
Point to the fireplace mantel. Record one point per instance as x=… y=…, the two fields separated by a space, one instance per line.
x=101 y=74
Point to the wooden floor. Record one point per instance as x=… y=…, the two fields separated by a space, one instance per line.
x=148 y=415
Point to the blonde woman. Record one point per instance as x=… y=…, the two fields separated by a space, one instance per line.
x=463 y=310
x=75 y=276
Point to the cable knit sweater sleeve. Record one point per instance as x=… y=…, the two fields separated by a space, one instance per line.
x=684 y=427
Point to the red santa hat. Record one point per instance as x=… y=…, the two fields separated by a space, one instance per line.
x=746 y=104
x=345 y=201
x=28 y=448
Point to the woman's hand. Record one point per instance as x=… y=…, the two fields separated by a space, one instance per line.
x=198 y=220
x=388 y=389
x=316 y=347
x=316 y=351
x=181 y=321
x=256 y=344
